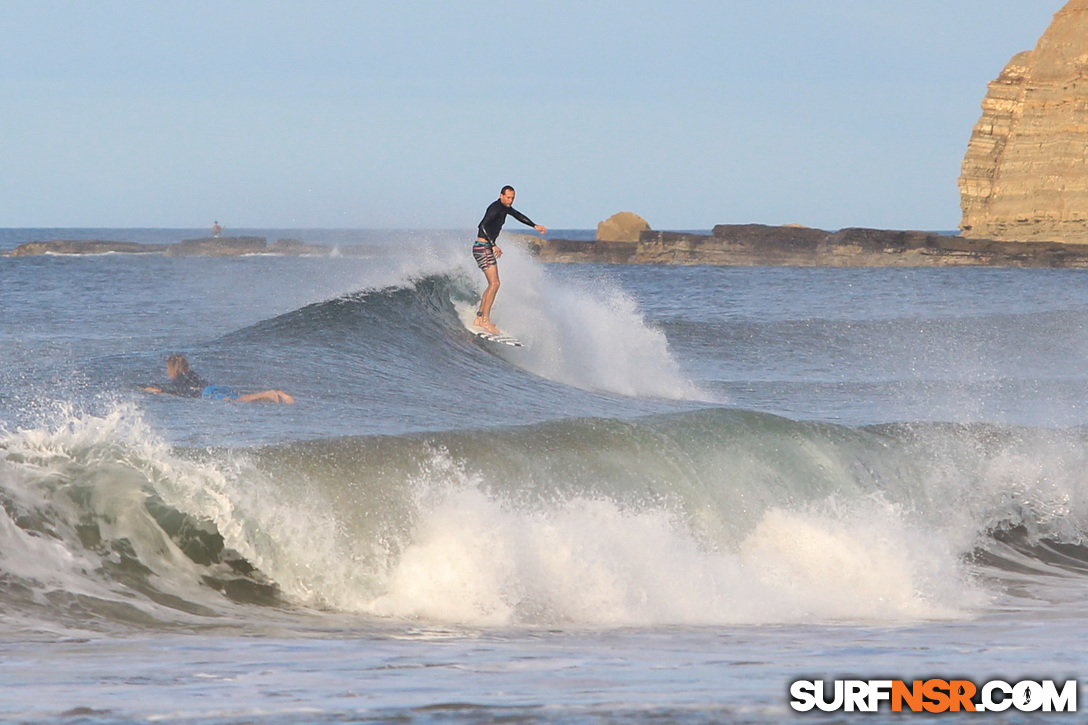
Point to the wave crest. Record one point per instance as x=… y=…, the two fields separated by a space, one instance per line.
x=712 y=516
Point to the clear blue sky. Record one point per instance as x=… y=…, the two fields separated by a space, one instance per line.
x=336 y=113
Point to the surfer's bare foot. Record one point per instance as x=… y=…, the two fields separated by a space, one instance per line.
x=486 y=325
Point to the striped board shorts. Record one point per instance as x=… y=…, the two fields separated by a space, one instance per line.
x=484 y=254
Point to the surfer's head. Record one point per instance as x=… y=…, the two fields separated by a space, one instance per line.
x=506 y=196
x=176 y=365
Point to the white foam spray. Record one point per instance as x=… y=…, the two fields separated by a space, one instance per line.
x=474 y=559
x=83 y=464
x=473 y=555
x=590 y=337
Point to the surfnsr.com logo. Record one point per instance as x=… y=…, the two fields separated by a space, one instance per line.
x=933 y=695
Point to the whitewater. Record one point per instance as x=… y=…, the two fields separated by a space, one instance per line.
x=692 y=486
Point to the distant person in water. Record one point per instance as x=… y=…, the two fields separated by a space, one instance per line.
x=186 y=383
x=216 y=229
x=487 y=252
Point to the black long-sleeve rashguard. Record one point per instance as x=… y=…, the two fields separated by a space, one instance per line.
x=495 y=217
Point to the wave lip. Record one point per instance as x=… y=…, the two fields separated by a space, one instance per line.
x=89 y=539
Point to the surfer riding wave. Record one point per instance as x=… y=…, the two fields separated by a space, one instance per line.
x=487 y=252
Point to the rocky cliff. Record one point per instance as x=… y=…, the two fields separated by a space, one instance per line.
x=1025 y=174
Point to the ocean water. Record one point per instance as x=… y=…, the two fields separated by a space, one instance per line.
x=692 y=487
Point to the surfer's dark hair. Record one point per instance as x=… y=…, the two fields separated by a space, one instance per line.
x=505 y=189
x=178 y=362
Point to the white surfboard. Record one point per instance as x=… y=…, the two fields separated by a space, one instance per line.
x=468 y=315
x=500 y=337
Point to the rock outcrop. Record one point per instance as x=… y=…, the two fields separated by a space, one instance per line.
x=218 y=247
x=296 y=248
x=760 y=245
x=69 y=246
x=1025 y=174
x=205 y=247
x=624 y=226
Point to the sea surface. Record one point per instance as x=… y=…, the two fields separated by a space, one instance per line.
x=692 y=486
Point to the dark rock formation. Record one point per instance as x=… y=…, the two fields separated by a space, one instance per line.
x=759 y=245
x=205 y=247
x=70 y=246
x=581 y=252
x=218 y=247
x=298 y=249
x=211 y=246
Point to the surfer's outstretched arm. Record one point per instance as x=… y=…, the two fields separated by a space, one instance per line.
x=525 y=220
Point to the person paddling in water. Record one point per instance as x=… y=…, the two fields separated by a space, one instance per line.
x=185 y=383
x=487 y=252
